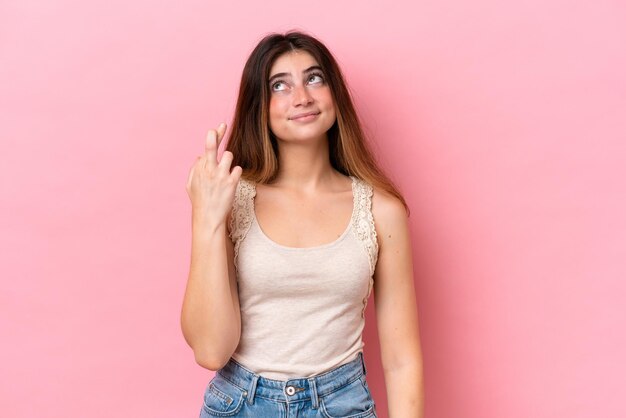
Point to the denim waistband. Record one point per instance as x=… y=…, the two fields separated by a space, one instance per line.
x=293 y=389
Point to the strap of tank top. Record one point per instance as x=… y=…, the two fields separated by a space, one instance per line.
x=363 y=224
x=241 y=214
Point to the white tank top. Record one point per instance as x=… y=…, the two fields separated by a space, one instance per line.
x=302 y=309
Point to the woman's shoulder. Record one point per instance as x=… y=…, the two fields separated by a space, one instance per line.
x=386 y=207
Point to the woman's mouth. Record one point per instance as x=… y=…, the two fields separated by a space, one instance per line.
x=306 y=117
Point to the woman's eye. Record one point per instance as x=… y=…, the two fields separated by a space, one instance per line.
x=276 y=84
x=320 y=78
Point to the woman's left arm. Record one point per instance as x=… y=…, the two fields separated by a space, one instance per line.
x=396 y=309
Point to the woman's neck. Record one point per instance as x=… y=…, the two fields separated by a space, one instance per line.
x=304 y=166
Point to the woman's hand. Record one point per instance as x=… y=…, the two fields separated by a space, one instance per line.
x=211 y=184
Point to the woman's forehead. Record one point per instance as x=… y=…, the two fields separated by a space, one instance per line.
x=293 y=61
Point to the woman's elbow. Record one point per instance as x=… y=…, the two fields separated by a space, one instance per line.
x=211 y=362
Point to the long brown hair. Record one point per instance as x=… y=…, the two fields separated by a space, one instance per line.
x=254 y=146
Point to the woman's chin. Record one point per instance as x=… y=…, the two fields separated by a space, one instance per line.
x=303 y=133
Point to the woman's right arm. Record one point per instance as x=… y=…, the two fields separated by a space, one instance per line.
x=210 y=317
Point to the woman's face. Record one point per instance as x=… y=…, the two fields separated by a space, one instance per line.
x=297 y=86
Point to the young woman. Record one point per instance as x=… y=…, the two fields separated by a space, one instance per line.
x=288 y=245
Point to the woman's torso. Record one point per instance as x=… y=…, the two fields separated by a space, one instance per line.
x=302 y=308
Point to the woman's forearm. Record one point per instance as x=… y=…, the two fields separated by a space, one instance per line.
x=210 y=317
x=405 y=392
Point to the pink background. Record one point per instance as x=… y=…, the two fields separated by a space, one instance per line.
x=504 y=125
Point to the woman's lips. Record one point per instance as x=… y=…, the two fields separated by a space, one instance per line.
x=305 y=118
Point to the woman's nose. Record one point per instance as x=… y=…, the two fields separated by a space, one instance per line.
x=302 y=95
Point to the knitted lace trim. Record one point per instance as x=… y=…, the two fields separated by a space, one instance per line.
x=241 y=215
x=363 y=225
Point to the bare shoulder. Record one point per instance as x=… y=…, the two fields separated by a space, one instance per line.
x=390 y=217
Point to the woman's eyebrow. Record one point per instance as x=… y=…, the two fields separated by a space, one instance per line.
x=308 y=70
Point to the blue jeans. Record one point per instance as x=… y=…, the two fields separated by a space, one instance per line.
x=339 y=393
